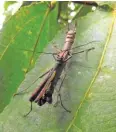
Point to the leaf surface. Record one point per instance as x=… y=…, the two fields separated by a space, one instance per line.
x=88 y=90
x=31 y=24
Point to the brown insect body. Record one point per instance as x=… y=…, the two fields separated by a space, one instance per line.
x=44 y=92
x=61 y=58
x=38 y=90
x=67 y=45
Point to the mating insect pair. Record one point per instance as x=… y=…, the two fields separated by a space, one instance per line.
x=45 y=91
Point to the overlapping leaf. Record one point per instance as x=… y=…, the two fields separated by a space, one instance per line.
x=88 y=91
x=18 y=34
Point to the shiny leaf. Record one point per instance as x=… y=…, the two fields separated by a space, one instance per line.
x=31 y=28
x=88 y=90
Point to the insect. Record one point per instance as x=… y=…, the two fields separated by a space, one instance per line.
x=45 y=90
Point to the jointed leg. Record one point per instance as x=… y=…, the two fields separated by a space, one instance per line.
x=54 y=57
x=59 y=95
x=63 y=105
x=57 y=49
x=44 y=74
x=87 y=50
x=68 y=58
x=22 y=92
x=29 y=111
x=59 y=91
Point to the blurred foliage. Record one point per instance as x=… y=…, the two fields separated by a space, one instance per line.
x=8 y=3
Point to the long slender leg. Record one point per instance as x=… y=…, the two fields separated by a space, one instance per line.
x=62 y=82
x=87 y=51
x=63 y=105
x=54 y=57
x=85 y=44
x=83 y=51
x=61 y=50
x=45 y=73
x=59 y=96
x=59 y=91
x=36 y=52
x=22 y=91
x=68 y=58
x=57 y=49
x=29 y=111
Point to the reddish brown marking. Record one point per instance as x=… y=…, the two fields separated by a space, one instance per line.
x=67 y=46
x=38 y=90
x=63 y=55
x=46 y=86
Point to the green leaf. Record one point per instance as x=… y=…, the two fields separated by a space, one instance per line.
x=88 y=90
x=31 y=24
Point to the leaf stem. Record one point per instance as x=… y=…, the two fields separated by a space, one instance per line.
x=41 y=28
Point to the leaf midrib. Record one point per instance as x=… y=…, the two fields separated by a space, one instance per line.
x=97 y=71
